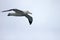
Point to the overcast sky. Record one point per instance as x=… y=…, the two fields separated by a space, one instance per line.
x=45 y=25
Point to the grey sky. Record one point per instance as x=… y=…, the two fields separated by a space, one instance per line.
x=46 y=20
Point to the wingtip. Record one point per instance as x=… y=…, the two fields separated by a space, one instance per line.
x=1 y=11
x=30 y=22
x=4 y=11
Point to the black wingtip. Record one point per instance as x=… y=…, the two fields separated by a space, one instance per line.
x=6 y=10
x=30 y=19
x=3 y=11
x=30 y=22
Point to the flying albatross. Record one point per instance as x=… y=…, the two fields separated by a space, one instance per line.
x=20 y=13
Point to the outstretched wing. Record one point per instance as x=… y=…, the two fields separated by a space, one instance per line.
x=30 y=19
x=7 y=10
x=15 y=10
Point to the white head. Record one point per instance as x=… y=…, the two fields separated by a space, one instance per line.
x=27 y=12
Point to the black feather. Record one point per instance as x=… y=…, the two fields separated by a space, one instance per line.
x=30 y=19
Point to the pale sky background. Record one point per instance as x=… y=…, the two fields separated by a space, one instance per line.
x=46 y=20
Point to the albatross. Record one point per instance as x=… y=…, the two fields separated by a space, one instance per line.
x=20 y=13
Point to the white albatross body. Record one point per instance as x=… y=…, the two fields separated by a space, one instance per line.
x=20 y=13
